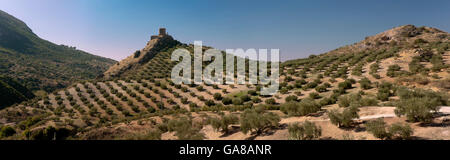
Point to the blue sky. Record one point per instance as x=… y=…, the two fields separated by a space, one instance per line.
x=116 y=28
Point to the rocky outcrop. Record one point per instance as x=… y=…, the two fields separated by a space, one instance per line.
x=140 y=57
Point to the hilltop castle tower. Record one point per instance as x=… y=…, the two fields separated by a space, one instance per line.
x=162 y=33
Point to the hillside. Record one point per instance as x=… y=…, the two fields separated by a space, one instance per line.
x=39 y=64
x=400 y=77
x=12 y=92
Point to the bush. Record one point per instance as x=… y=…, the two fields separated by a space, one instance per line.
x=345 y=85
x=200 y=88
x=417 y=109
x=6 y=131
x=284 y=90
x=210 y=103
x=395 y=131
x=256 y=100
x=321 y=88
x=217 y=96
x=347 y=100
x=227 y=101
x=193 y=105
x=151 y=110
x=302 y=108
x=252 y=92
x=377 y=128
x=184 y=100
x=222 y=123
x=49 y=133
x=393 y=70
x=368 y=102
x=270 y=101
x=237 y=101
x=291 y=98
x=365 y=83
x=311 y=85
x=345 y=118
x=384 y=91
x=419 y=105
x=185 y=129
x=257 y=120
x=304 y=131
x=245 y=98
x=314 y=95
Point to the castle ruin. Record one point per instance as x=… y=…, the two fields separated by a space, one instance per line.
x=162 y=33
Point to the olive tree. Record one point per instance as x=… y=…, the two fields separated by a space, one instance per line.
x=257 y=120
x=304 y=131
x=222 y=123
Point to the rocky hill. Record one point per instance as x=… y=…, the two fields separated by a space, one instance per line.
x=141 y=57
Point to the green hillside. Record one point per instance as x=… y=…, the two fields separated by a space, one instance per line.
x=39 y=64
x=12 y=92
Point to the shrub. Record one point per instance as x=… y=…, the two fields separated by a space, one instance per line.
x=321 y=88
x=288 y=79
x=417 y=109
x=393 y=70
x=217 y=96
x=365 y=83
x=245 y=98
x=193 y=105
x=160 y=105
x=237 y=101
x=6 y=131
x=346 y=100
x=291 y=98
x=256 y=100
x=345 y=118
x=302 y=108
x=210 y=103
x=311 y=85
x=304 y=131
x=252 y=92
x=222 y=123
x=345 y=85
x=401 y=131
x=418 y=105
x=384 y=91
x=185 y=129
x=314 y=95
x=227 y=101
x=395 y=131
x=257 y=120
x=200 y=88
x=284 y=90
x=377 y=128
x=151 y=110
x=368 y=102
x=49 y=133
x=270 y=101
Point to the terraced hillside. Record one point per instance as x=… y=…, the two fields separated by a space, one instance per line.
x=401 y=76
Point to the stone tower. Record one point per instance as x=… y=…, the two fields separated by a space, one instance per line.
x=162 y=31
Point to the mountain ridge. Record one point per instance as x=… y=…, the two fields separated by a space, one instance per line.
x=42 y=65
